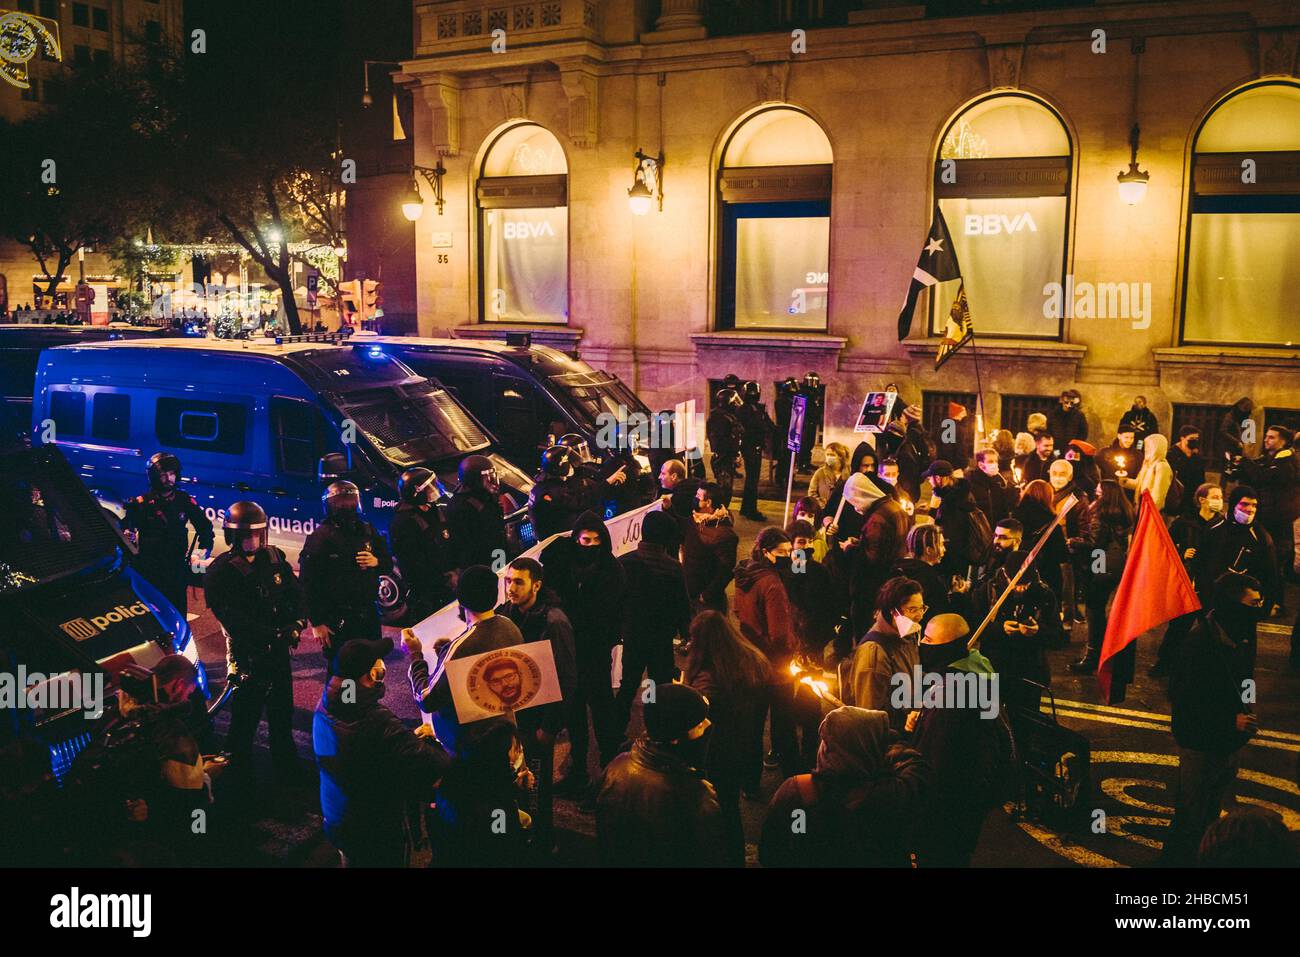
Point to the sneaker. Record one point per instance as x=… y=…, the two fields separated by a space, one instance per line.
x=1085 y=665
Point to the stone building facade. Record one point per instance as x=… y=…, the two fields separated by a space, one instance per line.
x=802 y=164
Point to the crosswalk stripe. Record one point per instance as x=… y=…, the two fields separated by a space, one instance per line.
x=1262 y=740
x=1152 y=715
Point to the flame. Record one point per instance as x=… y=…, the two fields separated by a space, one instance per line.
x=820 y=688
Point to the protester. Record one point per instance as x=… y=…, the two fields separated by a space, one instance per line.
x=829 y=475
x=964 y=748
x=1211 y=719
x=989 y=488
x=1274 y=476
x=1232 y=429
x=1239 y=545
x=1017 y=638
x=1067 y=422
x=1188 y=534
x=806 y=510
x=1035 y=513
x=655 y=610
x=709 y=544
x=1140 y=420
x=654 y=809
x=1188 y=464
x=1248 y=836
x=1082 y=456
x=590 y=583
x=477 y=820
x=966 y=532
x=862 y=563
x=888 y=649
x=732 y=674
x=371 y=764
x=1037 y=464
x=1155 y=477
x=942 y=593
x=815 y=602
x=1120 y=459
x=858 y=805
x=1105 y=554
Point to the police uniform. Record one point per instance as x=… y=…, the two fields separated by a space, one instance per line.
x=341 y=595
x=554 y=504
x=422 y=546
x=259 y=604
x=163 y=542
x=723 y=432
x=756 y=430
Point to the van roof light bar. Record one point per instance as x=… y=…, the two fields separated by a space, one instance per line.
x=332 y=338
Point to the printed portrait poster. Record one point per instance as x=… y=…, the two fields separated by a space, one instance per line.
x=503 y=681
x=876 y=411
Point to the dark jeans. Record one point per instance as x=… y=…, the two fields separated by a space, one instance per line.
x=787 y=721
x=753 y=469
x=728 y=788
x=724 y=474
x=651 y=656
x=268 y=688
x=1095 y=603
x=172 y=579
x=363 y=623
x=1172 y=642
x=1204 y=777
x=593 y=692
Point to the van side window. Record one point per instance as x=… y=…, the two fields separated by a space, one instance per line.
x=300 y=436
x=68 y=410
x=111 y=417
x=516 y=418
x=203 y=425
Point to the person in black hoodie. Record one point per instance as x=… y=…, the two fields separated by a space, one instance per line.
x=655 y=609
x=942 y=593
x=371 y=764
x=1034 y=514
x=859 y=803
x=1239 y=545
x=1210 y=721
x=590 y=583
x=965 y=538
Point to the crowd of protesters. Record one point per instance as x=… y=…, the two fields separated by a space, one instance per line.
x=787 y=658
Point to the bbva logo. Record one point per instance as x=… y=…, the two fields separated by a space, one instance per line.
x=992 y=224
x=527 y=230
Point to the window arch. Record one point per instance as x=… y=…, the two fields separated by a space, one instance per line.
x=523 y=214
x=1243 y=223
x=1002 y=181
x=774 y=216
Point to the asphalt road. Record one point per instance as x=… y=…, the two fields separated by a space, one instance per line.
x=1133 y=764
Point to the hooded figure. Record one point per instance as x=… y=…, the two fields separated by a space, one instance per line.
x=1156 y=474
x=859 y=801
x=1231 y=426
x=866 y=564
x=1237 y=545
x=590 y=583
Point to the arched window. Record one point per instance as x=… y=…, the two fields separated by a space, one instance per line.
x=524 y=228
x=774 y=190
x=1002 y=180
x=1243 y=240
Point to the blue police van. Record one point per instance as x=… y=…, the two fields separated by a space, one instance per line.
x=74 y=614
x=267 y=420
x=526 y=394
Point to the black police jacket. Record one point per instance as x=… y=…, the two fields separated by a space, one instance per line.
x=553 y=505
x=257 y=602
x=160 y=522
x=478 y=528
x=335 y=585
x=422 y=546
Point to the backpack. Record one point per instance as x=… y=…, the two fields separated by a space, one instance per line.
x=1174 y=497
x=981 y=537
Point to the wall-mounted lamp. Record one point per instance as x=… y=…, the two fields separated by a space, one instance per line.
x=341 y=249
x=413 y=204
x=1133 y=181
x=367 y=100
x=640 y=197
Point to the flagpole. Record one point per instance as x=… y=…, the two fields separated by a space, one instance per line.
x=979 y=389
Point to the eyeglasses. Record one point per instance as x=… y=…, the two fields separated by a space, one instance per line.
x=912 y=609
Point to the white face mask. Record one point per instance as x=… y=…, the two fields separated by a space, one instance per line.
x=832 y=462
x=890 y=479
x=1243 y=518
x=1059 y=481
x=905 y=625
x=989 y=467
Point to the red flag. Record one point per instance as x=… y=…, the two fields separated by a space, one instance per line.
x=1154 y=589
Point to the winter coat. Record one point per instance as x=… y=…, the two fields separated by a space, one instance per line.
x=590 y=588
x=546 y=621
x=709 y=560
x=1205 y=689
x=880 y=656
x=992 y=496
x=764 y=613
x=656 y=608
x=655 y=810
x=954 y=518
x=1156 y=475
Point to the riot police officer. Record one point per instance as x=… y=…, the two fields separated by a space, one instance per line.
x=253 y=592
x=557 y=498
x=724 y=433
x=342 y=562
x=422 y=543
x=814 y=411
x=756 y=433
x=158 y=522
x=478 y=526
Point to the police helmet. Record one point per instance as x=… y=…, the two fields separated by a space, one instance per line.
x=752 y=391
x=812 y=380
x=241 y=519
x=477 y=472
x=577 y=444
x=336 y=498
x=557 y=462
x=412 y=483
x=729 y=398
x=731 y=381
x=163 y=462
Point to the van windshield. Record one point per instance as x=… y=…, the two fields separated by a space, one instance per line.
x=597 y=393
x=413 y=425
x=45 y=530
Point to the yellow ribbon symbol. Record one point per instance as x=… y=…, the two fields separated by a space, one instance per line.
x=21 y=37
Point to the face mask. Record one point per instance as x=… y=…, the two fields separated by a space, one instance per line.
x=939 y=657
x=889 y=479
x=1194 y=444
x=832 y=463
x=1242 y=518
x=587 y=554
x=989 y=468
x=1058 y=481
x=905 y=625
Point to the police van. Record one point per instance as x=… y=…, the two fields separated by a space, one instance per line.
x=269 y=420
x=527 y=395
x=73 y=612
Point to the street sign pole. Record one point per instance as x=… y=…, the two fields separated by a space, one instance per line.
x=793 y=442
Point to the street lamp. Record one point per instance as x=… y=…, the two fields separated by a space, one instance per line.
x=640 y=197
x=413 y=203
x=1133 y=181
x=367 y=100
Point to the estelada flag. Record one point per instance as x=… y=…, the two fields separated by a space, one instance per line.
x=1154 y=589
x=937 y=263
x=959 y=330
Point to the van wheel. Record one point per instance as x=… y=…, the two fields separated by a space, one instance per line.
x=392 y=599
